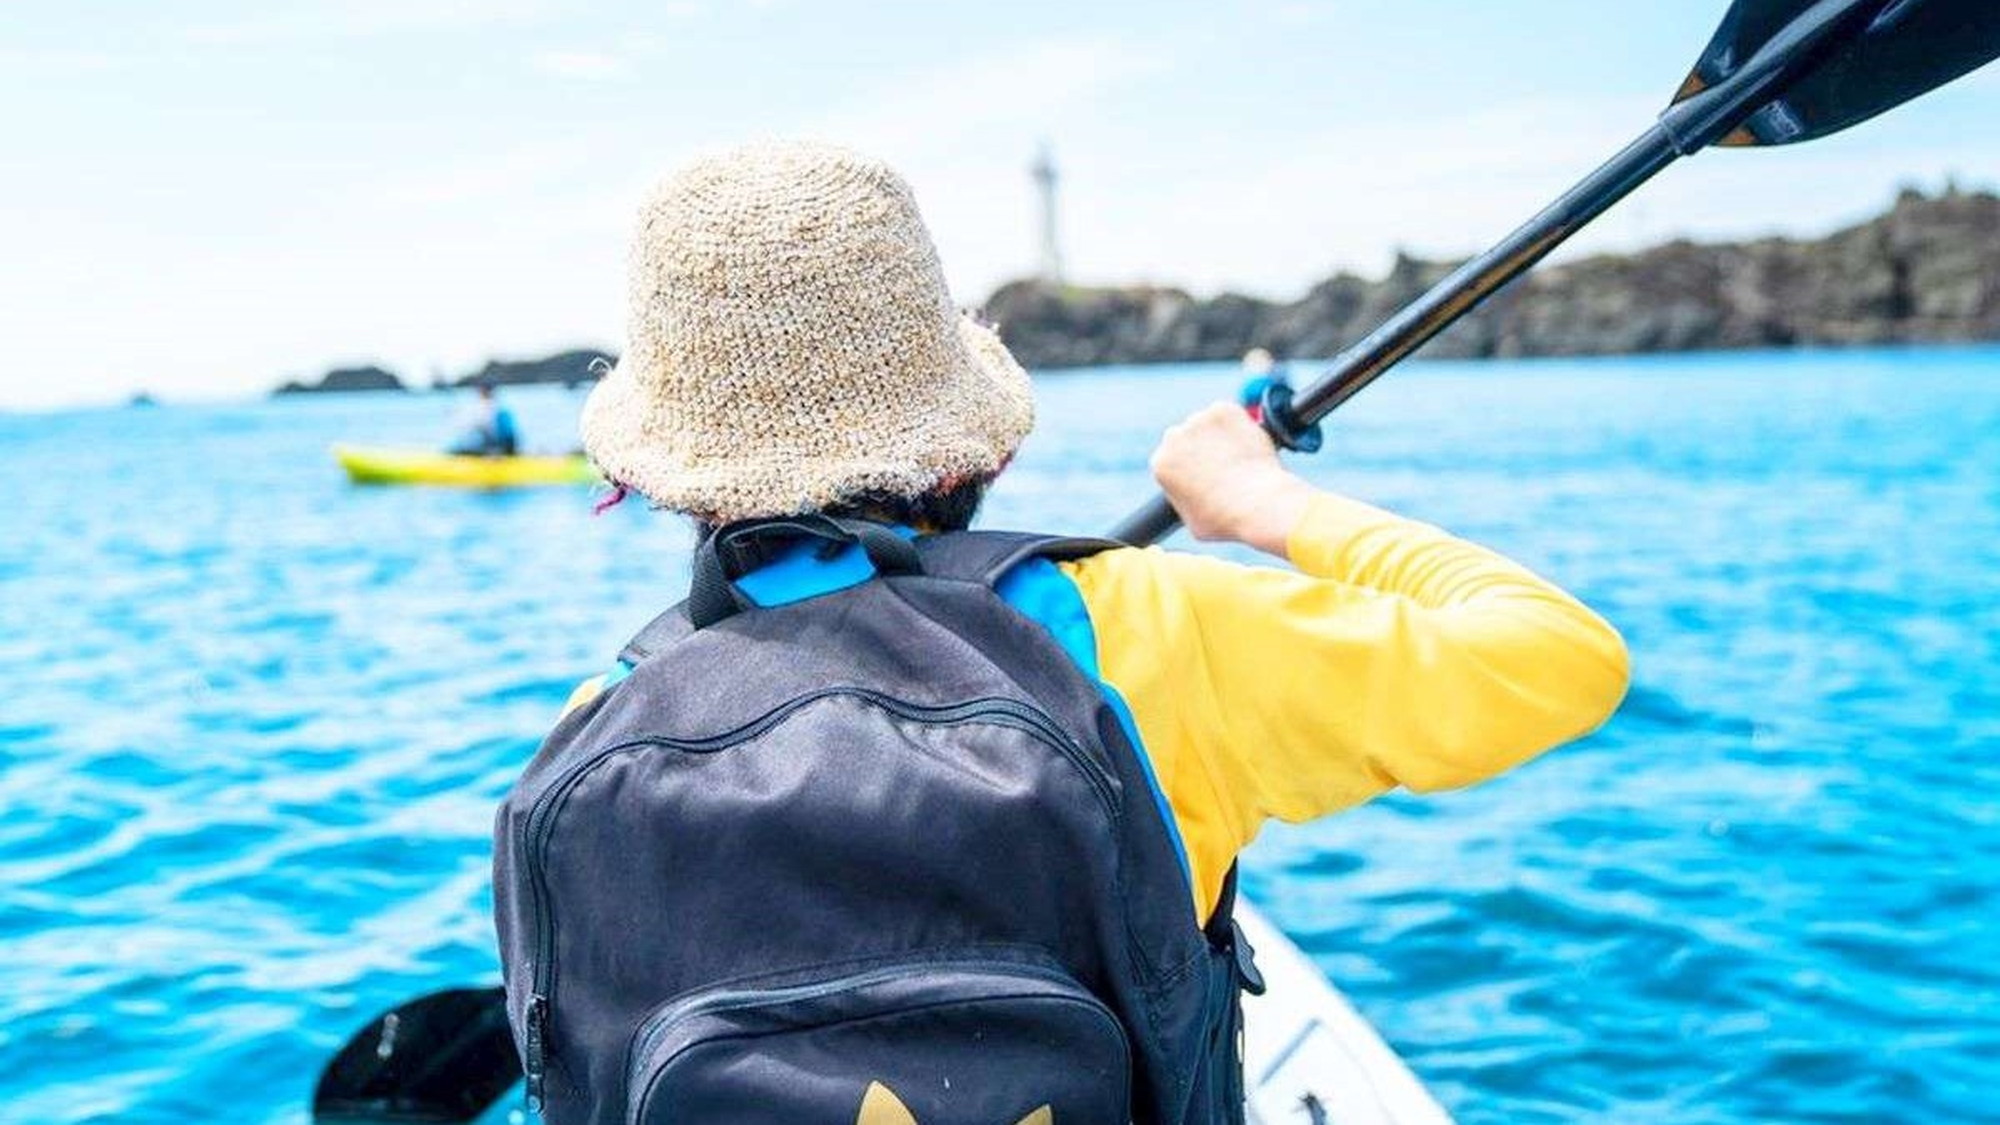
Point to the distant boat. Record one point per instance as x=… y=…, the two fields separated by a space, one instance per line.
x=143 y=398
x=388 y=465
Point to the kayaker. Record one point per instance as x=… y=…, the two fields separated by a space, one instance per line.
x=793 y=352
x=490 y=430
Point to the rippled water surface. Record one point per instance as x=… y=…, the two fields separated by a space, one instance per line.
x=256 y=721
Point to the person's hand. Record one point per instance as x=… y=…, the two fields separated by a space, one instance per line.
x=1222 y=475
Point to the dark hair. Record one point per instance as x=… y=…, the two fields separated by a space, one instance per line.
x=947 y=508
x=950 y=508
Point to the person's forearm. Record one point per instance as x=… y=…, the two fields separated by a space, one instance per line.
x=1354 y=542
x=1491 y=664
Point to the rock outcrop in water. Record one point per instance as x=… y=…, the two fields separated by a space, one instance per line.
x=1928 y=270
x=346 y=379
x=569 y=368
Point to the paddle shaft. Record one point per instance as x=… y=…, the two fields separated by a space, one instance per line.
x=1444 y=303
x=1683 y=129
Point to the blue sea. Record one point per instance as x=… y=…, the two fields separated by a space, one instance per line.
x=256 y=721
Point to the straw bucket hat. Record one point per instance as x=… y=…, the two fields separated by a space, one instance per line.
x=791 y=343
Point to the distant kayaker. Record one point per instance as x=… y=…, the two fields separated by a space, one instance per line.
x=489 y=429
x=885 y=801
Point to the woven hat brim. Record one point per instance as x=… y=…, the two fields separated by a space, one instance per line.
x=974 y=419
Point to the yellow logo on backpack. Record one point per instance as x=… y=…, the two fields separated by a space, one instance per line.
x=881 y=1106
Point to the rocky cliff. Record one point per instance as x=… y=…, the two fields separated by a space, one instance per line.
x=569 y=368
x=346 y=379
x=1927 y=270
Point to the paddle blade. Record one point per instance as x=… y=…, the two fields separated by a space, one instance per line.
x=444 y=1057
x=1901 y=49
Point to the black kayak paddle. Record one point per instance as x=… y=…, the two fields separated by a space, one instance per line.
x=442 y=1057
x=1777 y=72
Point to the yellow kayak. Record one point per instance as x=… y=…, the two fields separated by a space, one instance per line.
x=384 y=465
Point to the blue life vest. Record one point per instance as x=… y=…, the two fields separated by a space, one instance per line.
x=506 y=436
x=880 y=855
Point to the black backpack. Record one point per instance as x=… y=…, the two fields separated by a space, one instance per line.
x=884 y=855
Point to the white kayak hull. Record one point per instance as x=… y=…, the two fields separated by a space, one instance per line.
x=1308 y=1057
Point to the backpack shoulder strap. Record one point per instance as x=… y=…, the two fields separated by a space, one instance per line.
x=1224 y=933
x=969 y=556
x=660 y=632
x=985 y=556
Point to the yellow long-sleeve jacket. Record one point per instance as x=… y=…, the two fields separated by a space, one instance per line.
x=1395 y=654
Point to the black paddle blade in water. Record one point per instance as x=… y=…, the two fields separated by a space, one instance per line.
x=1899 y=50
x=443 y=1057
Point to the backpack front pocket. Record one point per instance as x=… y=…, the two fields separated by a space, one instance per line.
x=916 y=1042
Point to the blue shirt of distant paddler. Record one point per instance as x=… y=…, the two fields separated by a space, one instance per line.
x=490 y=432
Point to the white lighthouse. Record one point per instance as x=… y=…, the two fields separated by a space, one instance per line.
x=1043 y=171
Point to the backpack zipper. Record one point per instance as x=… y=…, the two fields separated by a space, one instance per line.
x=742 y=999
x=534 y=1018
x=541 y=817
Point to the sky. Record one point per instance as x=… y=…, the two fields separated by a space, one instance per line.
x=203 y=199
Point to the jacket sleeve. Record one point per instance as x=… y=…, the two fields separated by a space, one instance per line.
x=1396 y=655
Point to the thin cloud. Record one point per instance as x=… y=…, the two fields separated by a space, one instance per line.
x=582 y=66
x=60 y=59
x=1028 y=85
x=362 y=19
x=1300 y=14
x=515 y=174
